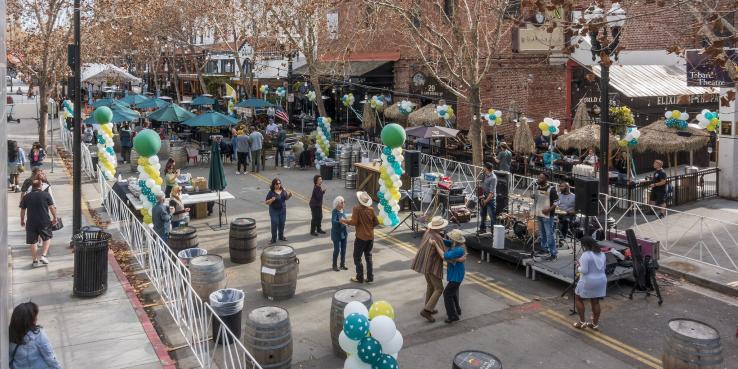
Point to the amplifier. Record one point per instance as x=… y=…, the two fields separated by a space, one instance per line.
x=456 y=191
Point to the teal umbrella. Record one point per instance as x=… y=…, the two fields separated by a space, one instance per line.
x=216 y=177
x=120 y=114
x=134 y=99
x=203 y=100
x=171 y=113
x=152 y=103
x=254 y=103
x=107 y=102
x=210 y=119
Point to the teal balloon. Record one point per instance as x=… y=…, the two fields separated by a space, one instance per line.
x=386 y=362
x=369 y=350
x=393 y=135
x=356 y=326
x=147 y=143
x=103 y=115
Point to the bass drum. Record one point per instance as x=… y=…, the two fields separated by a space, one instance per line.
x=520 y=230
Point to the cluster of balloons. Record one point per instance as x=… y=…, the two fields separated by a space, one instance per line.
x=493 y=117
x=632 y=134
x=377 y=101
x=708 y=120
x=369 y=337
x=105 y=151
x=323 y=138
x=310 y=95
x=676 y=119
x=280 y=91
x=549 y=126
x=68 y=110
x=264 y=89
x=147 y=144
x=444 y=111
x=348 y=100
x=406 y=107
x=393 y=137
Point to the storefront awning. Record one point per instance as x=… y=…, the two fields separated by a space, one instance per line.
x=652 y=80
x=350 y=68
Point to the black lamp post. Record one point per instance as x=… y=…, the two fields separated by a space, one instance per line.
x=604 y=48
x=76 y=85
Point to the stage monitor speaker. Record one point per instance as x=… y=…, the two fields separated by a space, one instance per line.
x=587 y=192
x=412 y=163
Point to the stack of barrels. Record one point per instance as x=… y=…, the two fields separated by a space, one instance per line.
x=340 y=299
x=242 y=240
x=268 y=337
x=279 y=268
x=344 y=161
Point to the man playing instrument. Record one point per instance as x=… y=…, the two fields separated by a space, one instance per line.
x=486 y=192
x=544 y=205
x=566 y=204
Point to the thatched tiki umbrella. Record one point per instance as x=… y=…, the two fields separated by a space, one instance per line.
x=392 y=114
x=581 y=117
x=424 y=116
x=523 y=142
x=662 y=139
x=583 y=138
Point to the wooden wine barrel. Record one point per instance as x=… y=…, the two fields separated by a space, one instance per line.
x=179 y=154
x=134 y=161
x=268 y=337
x=207 y=275
x=340 y=299
x=279 y=267
x=242 y=240
x=164 y=151
x=691 y=344
x=182 y=238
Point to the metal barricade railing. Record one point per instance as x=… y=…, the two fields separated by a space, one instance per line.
x=171 y=279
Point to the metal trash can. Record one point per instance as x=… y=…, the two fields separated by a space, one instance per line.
x=228 y=305
x=188 y=254
x=326 y=170
x=90 y=262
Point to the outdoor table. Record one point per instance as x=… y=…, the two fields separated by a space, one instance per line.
x=201 y=198
x=368 y=178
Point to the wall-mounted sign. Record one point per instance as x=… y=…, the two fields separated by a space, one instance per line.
x=427 y=86
x=702 y=71
x=537 y=39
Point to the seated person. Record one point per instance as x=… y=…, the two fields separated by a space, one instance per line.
x=566 y=203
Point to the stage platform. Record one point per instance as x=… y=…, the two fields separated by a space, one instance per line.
x=563 y=268
x=515 y=250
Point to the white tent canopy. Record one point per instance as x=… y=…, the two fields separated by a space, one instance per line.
x=94 y=73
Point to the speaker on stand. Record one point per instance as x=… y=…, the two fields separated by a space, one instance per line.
x=412 y=163
x=412 y=169
x=587 y=195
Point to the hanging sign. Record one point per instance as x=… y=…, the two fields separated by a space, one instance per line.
x=702 y=71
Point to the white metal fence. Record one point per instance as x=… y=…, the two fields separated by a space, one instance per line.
x=171 y=279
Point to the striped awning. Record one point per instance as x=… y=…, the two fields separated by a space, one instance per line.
x=652 y=80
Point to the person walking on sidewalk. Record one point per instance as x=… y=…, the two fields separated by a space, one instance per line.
x=243 y=150
x=37 y=205
x=30 y=348
x=454 y=255
x=279 y=155
x=316 y=206
x=161 y=215
x=126 y=142
x=429 y=262
x=339 y=233
x=16 y=164
x=37 y=155
x=256 y=141
x=364 y=219
x=277 y=201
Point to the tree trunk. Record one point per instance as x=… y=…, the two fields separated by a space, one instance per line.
x=315 y=80
x=476 y=134
x=43 y=112
x=250 y=84
x=175 y=73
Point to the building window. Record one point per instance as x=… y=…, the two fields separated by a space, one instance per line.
x=448 y=8
x=332 y=25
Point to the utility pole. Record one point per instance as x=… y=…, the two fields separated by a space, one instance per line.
x=290 y=93
x=76 y=66
x=4 y=247
x=604 y=185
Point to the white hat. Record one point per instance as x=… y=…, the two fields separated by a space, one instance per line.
x=457 y=236
x=364 y=198
x=437 y=223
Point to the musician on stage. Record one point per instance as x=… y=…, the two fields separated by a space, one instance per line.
x=565 y=208
x=486 y=193
x=544 y=206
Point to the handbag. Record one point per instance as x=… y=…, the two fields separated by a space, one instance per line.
x=21 y=168
x=58 y=226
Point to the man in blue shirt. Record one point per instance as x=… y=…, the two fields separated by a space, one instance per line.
x=279 y=155
x=256 y=140
x=161 y=217
x=455 y=255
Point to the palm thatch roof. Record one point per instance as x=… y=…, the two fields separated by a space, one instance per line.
x=662 y=139
x=370 y=118
x=523 y=142
x=392 y=114
x=426 y=116
x=581 y=117
x=583 y=138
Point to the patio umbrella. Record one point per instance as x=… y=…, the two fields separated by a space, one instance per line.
x=171 y=113
x=210 y=119
x=107 y=102
x=431 y=132
x=581 y=117
x=426 y=115
x=216 y=177
x=203 y=100
x=120 y=114
x=134 y=99
x=583 y=138
x=393 y=114
x=156 y=103
x=254 y=103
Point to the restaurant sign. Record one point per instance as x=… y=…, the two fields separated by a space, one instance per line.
x=427 y=86
x=702 y=71
x=531 y=39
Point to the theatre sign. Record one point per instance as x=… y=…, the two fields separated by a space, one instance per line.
x=702 y=71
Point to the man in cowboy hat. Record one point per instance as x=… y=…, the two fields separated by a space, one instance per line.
x=364 y=219
x=429 y=262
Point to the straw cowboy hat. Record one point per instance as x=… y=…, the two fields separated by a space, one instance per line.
x=457 y=236
x=364 y=198
x=437 y=223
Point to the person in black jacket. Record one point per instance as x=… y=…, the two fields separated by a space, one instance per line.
x=316 y=206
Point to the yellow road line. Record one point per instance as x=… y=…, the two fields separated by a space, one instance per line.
x=733 y=284
x=482 y=281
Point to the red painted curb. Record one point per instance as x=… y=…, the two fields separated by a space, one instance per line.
x=159 y=348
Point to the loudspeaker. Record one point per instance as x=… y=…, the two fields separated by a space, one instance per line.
x=412 y=163
x=587 y=192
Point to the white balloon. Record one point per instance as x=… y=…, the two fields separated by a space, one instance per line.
x=157 y=166
x=636 y=134
x=347 y=344
x=140 y=169
x=546 y=133
x=143 y=176
x=704 y=124
x=393 y=346
x=498 y=113
x=556 y=122
x=397 y=151
x=684 y=116
x=667 y=114
x=383 y=157
x=153 y=159
x=548 y=121
x=705 y=111
x=387 y=221
x=382 y=328
x=398 y=183
x=353 y=362
x=355 y=307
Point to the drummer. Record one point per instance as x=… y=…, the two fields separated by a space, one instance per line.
x=565 y=208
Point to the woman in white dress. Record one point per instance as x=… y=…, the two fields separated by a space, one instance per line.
x=592 y=283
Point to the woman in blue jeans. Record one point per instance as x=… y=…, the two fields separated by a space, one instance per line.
x=277 y=201
x=339 y=233
x=29 y=346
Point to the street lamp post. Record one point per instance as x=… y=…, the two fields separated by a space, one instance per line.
x=77 y=134
x=605 y=49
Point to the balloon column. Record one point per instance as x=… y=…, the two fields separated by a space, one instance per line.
x=280 y=91
x=68 y=109
x=632 y=134
x=310 y=96
x=147 y=145
x=493 y=117
x=348 y=100
x=105 y=151
x=549 y=126
x=370 y=337
x=406 y=107
x=323 y=139
x=708 y=120
x=676 y=119
x=393 y=136
x=264 y=89
x=444 y=111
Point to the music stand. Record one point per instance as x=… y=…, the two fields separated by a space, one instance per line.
x=644 y=269
x=411 y=216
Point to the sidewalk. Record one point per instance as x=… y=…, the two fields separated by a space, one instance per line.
x=103 y=332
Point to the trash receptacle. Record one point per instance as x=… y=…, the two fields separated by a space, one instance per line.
x=90 y=262
x=326 y=170
x=188 y=254
x=228 y=305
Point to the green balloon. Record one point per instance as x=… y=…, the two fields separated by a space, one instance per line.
x=103 y=115
x=147 y=143
x=393 y=135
